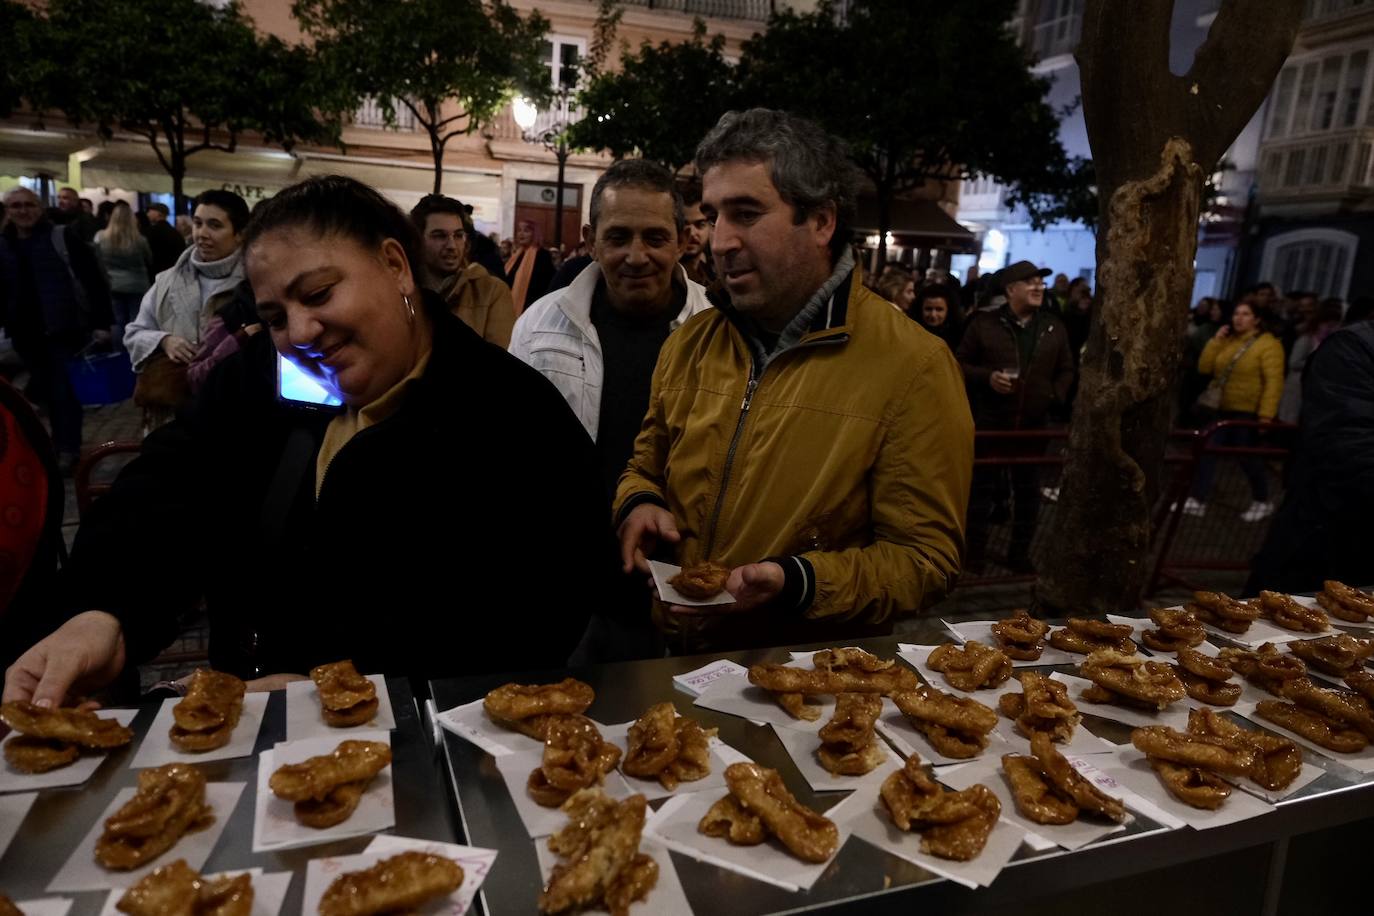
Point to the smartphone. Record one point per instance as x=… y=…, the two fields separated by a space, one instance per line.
x=297 y=387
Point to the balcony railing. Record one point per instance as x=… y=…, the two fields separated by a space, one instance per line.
x=503 y=126
x=755 y=10
x=369 y=114
x=1056 y=37
x=1323 y=10
x=1333 y=164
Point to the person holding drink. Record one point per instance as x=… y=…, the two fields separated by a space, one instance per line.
x=1017 y=363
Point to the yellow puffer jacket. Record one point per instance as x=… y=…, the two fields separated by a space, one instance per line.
x=1256 y=382
x=854 y=451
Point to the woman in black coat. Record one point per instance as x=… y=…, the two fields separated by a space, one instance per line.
x=402 y=530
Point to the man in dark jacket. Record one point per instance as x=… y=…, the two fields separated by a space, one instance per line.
x=53 y=299
x=1017 y=362
x=1322 y=530
x=163 y=238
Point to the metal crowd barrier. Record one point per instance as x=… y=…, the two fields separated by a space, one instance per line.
x=1182 y=546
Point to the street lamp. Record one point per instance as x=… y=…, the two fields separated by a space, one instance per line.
x=553 y=135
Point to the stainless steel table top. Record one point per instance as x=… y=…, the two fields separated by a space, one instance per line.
x=60 y=818
x=861 y=878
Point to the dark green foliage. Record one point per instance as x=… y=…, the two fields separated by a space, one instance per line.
x=454 y=63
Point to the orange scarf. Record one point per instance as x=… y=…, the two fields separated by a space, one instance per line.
x=520 y=286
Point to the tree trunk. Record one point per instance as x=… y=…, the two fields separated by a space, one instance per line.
x=1155 y=136
x=436 y=148
x=884 y=224
x=178 y=172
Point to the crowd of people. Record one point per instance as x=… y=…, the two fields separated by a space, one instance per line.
x=686 y=390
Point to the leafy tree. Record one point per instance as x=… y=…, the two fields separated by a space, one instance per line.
x=661 y=103
x=921 y=90
x=454 y=64
x=181 y=74
x=16 y=24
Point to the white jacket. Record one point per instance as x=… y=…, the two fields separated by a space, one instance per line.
x=556 y=336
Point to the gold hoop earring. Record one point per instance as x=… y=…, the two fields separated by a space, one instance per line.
x=410 y=308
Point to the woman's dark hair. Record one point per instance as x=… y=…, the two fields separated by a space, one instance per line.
x=934 y=291
x=233 y=205
x=336 y=205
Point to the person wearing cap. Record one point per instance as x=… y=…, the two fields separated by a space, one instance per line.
x=482 y=301
x=1017 y=362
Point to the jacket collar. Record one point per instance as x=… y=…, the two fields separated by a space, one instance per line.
x=576 y=301
x=831 y=321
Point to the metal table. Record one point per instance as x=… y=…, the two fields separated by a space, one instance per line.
x=61 y=817
x=1234 y=869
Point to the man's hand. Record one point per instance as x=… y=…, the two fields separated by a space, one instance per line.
x=752 y=586
x=644 y=528
x=84 y=653
x=1001 y=382
x=178 y=349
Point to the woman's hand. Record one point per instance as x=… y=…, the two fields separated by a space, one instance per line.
x=1222 y=333
x=178 y=349
x=84 y=653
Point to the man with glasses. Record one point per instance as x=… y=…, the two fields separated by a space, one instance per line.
x=1017 y=362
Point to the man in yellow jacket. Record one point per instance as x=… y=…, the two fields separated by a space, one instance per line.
x=803 y=433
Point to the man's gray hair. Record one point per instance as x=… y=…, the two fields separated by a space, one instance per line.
x=638 y=173
x=810 y=168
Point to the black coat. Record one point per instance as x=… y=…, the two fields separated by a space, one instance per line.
x=1322 y=530
x=167 y=245
x=444 y=541
x=989 y=345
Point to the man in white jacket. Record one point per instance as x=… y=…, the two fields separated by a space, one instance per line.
x=598 y=339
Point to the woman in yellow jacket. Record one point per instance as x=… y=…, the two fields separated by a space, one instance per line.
x=1247 y=362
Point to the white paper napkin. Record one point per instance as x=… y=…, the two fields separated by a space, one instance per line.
x=675 y=826
x=1088 y=828
x=802 y=747
x=667 y=898
x=1361 y=761
x=471 y=723
x=1133 y=771
x=898 y=729
x=652 y=789
x=305 y=720
x=274 y=822
x=539 y=821
x=13 y=810
x=45 y=906
x=696 y=681
x=734 y=694
x=981 y=630
x=269 y=891
x=476 y=864
x=82 y=873
x=80 y=770
x=1174 y=716
x=868 y=818
x=157 y=748
x=918 y=657
x=662 y=572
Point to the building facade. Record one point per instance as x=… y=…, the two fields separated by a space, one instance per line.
x=494 y=169
x=1050 y=31
x=1312 y=226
